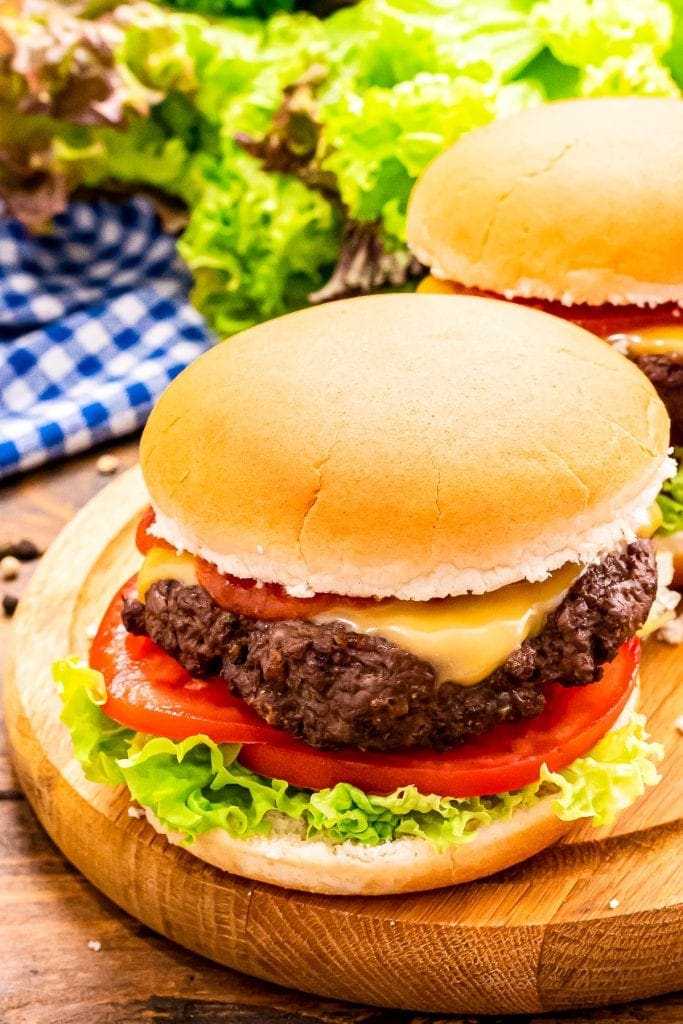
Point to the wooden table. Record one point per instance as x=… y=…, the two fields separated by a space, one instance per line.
x=69 y=956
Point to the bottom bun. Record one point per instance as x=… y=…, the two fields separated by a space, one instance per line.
x=402 y=865
x=287 y=858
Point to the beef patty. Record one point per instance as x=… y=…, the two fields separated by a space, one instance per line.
x=330 y=686
x=666 y=375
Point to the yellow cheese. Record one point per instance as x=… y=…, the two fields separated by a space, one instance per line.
x=464 y=638
x=162 y=564
x=667 y=339
x=433 y=286
x=654 y=522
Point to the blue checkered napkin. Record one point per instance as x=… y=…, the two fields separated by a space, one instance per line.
x=94 y=323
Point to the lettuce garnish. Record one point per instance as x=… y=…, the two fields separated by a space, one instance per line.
x=670 y=500
x=287 y=188
x=195 y=785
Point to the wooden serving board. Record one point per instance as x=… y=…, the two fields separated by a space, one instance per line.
x=540 y=936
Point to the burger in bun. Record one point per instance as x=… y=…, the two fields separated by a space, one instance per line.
x=384 y=634
x=574 y=207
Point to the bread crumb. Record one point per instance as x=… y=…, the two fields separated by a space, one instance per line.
x=135 y=812
x=106 y=465
x=679 y=724
x=9 y=567
x=613 y=903
x=671 y=632
x=91 y=631
x=95 y=945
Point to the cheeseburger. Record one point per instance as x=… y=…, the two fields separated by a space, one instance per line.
x=575 y=207
x=384 y=634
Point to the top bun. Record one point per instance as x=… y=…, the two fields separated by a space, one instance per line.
x=407 y=445
x=578 y=201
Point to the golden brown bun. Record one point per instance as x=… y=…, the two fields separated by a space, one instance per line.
x=578 y=201
x=408 y=445
x=404 y=865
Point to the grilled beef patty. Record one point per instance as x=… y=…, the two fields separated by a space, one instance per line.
x=331 y=687
x=666 y=375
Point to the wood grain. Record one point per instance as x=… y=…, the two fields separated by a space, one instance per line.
x=49 y=913
x=546 y=924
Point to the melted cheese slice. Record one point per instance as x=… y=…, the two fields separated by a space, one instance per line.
x=655 y=520
x=435 y=286
x=666 y=339
x=162 y=564
x=464 y=638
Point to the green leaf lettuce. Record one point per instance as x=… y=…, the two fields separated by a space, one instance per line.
x=670 y=500
x=197 y=785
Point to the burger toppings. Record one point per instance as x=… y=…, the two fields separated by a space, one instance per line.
x=149 y=692
x=332 y=686
x=463 y=638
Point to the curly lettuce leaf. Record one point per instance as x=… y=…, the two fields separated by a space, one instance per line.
x=670 y=500
x=197 y=785
x=257 y=243
x=404 y=128
x=616 y=48
x=137 y=95
x=61 y=66
x=99 y=742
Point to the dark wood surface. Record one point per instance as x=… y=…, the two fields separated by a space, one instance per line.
x=49 y=914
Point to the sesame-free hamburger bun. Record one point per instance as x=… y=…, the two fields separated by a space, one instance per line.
x=406 y=446
x=577 y=201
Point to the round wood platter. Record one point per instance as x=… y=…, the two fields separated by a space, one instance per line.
x=540 y=936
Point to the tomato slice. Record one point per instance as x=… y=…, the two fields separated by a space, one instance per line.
x=144 y=541
x=604 y=320
x=608 y=321
x=149 y=691
x=266 y=601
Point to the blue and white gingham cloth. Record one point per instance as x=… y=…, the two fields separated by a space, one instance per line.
x=94 y=323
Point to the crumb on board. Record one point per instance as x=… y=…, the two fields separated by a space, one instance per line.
x=135 y=812
x=9 y=605
x=107 y=465
x=679 y=724
x=9 y=567
x=91 y=631
x=95 y=945
x=671 y=632
x=613 y=903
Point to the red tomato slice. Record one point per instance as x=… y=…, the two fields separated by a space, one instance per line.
x=267 y=601
x=144 y=541
x=607 y=321
x=604 y=320
x=149 y=691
